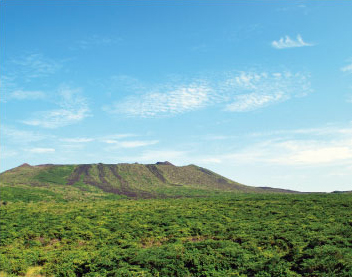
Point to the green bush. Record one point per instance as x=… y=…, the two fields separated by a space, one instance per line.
x=233 y=235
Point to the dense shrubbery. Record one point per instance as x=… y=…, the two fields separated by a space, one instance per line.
x=233 y=235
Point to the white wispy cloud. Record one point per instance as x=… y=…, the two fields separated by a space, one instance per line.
x=329 y=146
x=95 y=40
x=253 y=101
x=153 y=156
x=36 y=65
x=131 y=144
x=287 y=42
x=41 y=150
x=297 y=6
x=16 y=80
x=349 y=98
x=77 y=140
x=73 y=108
x=56 y=118
x=174 y=101
x=326 y=132
x=116 y=136
x=16 y=135
x=11 y=91
x=7 y=85
x=249 y=91
x=7 y=153
x=347 y=68
x=237 y=92
x=216 y=137
x=27 y=95
x=304 y=154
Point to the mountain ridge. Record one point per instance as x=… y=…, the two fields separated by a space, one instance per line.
x=162 y=179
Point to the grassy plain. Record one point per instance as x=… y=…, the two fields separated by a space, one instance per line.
x=228 y=234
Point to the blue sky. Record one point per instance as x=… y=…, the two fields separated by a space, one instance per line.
x=258 y=91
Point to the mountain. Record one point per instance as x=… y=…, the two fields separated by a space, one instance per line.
x=162 y=179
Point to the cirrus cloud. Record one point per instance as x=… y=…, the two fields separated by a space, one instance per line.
x=287 y=42
x=73 y=108
x=235 y=91
x=174 y=101
x=36 y=65
x=41 y=150
x=256 y=90
x=130 y=144
x=347 y=68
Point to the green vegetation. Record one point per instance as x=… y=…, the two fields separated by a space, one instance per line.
x=163 y=220
x=55 y=174
x=225 y=235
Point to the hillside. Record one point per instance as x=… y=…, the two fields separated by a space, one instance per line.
x=162 y=179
